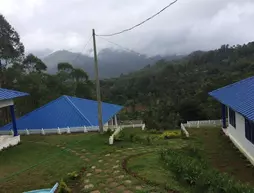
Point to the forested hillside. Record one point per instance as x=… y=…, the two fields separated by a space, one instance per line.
x=178 y=91
x=29 y=74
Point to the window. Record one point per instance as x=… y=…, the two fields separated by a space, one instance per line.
x=249 y=130
x=232 y=117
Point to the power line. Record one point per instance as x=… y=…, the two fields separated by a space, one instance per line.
x=127 y=49
x=79 y=54
x=141 y=23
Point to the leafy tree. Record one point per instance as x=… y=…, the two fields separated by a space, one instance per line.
x=64 y=66
x=11 y=49
x=33 y=64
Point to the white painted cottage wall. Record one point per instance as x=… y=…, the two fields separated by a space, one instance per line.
x=5 y=103
x=237 y=135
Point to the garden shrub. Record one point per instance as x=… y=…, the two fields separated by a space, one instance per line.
x=132 y=136
x=154 y=131
x=109 y=132
x=194 y=171
x=63 y=188
x=171 y=134
x=73 y=175
x=120 y=136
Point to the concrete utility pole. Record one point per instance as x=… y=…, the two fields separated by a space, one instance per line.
x=98 y=91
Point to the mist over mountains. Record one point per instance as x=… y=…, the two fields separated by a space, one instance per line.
x=112 y=63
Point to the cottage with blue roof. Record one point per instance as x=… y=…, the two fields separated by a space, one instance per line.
x=6 y=100
x=238 y=105
x=66 y=114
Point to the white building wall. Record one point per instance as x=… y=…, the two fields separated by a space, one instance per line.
x=237 y=135
x=5 y=103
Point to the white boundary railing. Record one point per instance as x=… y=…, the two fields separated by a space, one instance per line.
x=68 y=130
x=198 y=124
x=121 y=127
x=203 y=123
x=186 y=133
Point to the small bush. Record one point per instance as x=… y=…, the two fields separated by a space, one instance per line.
x=63 y=188
x=132 y=136
x=73 y=175
x=171 y=134
x=148 y=139
x=154 y=131
x=109 y=132
x=120 y=136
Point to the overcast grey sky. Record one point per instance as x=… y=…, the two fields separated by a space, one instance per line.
x=186 y=26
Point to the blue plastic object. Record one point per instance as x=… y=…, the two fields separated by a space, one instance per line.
x=10 y=94
x=238 y=96
x=52 y=190
x=65 y=112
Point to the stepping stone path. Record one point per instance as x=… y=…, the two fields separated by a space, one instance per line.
x=105 y=173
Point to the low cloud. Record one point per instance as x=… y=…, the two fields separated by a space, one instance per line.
x=186 y=26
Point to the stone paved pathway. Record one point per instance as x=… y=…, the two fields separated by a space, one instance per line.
x=105 y=174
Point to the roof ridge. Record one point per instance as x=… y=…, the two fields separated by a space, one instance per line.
x=76 y=108
x=35 y=110
x=233 y=84
x=91 y=100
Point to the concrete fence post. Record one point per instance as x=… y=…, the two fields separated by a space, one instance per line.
x=58 y=131
x=111 y=140
x=198 y=124
x=85 y=130
x=68 y=130
x=42 y=131
x=27 y=132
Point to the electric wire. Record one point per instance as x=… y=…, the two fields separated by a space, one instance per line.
x=139 y=24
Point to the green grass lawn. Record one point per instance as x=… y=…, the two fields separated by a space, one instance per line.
x=221 y=153
x=39 y=161
x=150 y=167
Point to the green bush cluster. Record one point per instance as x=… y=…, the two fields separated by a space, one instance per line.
x=120 y=136
x=143 y=139
x=171 y=134
x=63 y=188
x=195 y=172
x=73 y=175
x=154 y=131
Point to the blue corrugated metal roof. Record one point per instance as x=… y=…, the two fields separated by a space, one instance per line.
x=65 y=112
x=10 y=94
x=238 y=96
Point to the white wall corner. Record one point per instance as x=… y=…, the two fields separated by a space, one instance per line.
x=6 y=103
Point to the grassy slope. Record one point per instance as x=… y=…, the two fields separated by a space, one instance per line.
x=221 y=153
x=149 y=166
x=38 y=163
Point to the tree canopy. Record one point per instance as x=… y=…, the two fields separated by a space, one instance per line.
x=178 y=90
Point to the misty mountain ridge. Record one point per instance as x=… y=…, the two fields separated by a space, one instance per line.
x=112 y=63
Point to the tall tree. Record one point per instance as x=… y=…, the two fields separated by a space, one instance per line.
x=33 y=64
x=11 y=49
